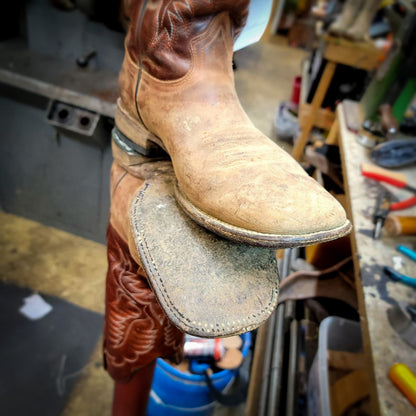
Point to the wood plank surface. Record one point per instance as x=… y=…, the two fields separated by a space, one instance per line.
x=362 y=55
x=376 y=292
x=323 y=119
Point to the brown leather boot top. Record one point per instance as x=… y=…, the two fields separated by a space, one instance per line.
x=161 y=31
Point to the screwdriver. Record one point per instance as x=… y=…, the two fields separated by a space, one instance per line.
x=384 y=200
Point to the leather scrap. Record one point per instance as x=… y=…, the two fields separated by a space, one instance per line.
x=328 y=283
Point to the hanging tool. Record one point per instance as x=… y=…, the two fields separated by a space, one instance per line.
x=380 y=214
x=398 y=180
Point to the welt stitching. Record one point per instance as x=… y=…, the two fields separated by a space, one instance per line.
x=147 y=254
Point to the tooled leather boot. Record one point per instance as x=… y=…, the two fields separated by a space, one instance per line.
x=177 y=93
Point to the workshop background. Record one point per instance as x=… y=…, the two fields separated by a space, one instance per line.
x=342 y=102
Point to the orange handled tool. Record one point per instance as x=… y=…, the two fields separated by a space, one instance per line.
x=396 y=225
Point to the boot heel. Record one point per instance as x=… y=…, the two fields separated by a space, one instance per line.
x=135 y=135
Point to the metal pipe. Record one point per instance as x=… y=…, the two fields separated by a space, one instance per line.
x=292 y=371
x=286 y=263
x=275 y=381
x=267 y=365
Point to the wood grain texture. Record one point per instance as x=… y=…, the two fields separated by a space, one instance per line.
x=376 y=293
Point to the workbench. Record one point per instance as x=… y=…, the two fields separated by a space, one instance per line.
x=376 y=292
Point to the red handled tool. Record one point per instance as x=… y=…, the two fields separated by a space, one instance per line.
x=396 y=179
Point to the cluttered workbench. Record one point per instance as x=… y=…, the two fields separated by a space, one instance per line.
x=379 y=296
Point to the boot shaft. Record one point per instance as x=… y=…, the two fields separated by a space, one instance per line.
x=161 y=31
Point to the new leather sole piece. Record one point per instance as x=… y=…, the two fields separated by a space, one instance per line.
x=255 y=238
x=208 y=286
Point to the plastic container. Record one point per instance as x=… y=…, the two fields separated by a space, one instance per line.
x=337 y=334
x=176 y=394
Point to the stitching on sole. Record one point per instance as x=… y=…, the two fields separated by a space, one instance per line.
x=150 y=266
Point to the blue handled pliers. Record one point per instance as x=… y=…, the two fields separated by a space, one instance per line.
x=399 y=277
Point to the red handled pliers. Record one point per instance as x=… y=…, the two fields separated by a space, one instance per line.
x=396 y=179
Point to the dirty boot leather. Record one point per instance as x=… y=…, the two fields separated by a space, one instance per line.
x=358 y=31
x=346 y=19
x=177 y=93
x=207 y=286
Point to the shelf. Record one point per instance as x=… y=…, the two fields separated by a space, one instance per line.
x=362 y=55
x=323 y=118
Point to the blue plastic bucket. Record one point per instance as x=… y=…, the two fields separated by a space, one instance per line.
x=176 y=394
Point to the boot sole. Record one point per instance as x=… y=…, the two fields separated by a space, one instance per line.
x=254 y=238
x=135 y=135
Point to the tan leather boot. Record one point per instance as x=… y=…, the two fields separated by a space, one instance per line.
x=177 y=92
x=207 y=286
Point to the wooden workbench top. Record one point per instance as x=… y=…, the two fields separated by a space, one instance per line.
x=376 y=292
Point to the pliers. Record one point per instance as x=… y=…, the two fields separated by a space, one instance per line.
x=398 y=277
x=396 y=179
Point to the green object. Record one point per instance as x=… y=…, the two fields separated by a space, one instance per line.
x=377 y=90
x=405 y=98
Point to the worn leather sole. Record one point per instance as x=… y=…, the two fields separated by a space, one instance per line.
x=207 y=286
x=136 y=136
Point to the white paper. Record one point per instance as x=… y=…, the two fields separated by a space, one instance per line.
x=398 y=263
x=35 y=307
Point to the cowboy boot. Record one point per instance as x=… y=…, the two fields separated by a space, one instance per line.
x=359 y=29
x=346 y=18
x=136 y=330
x=177 y=92
x=206 y=285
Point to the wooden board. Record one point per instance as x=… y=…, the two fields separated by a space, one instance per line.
x=323 y=118
x=376 y=292
x=362 y=55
